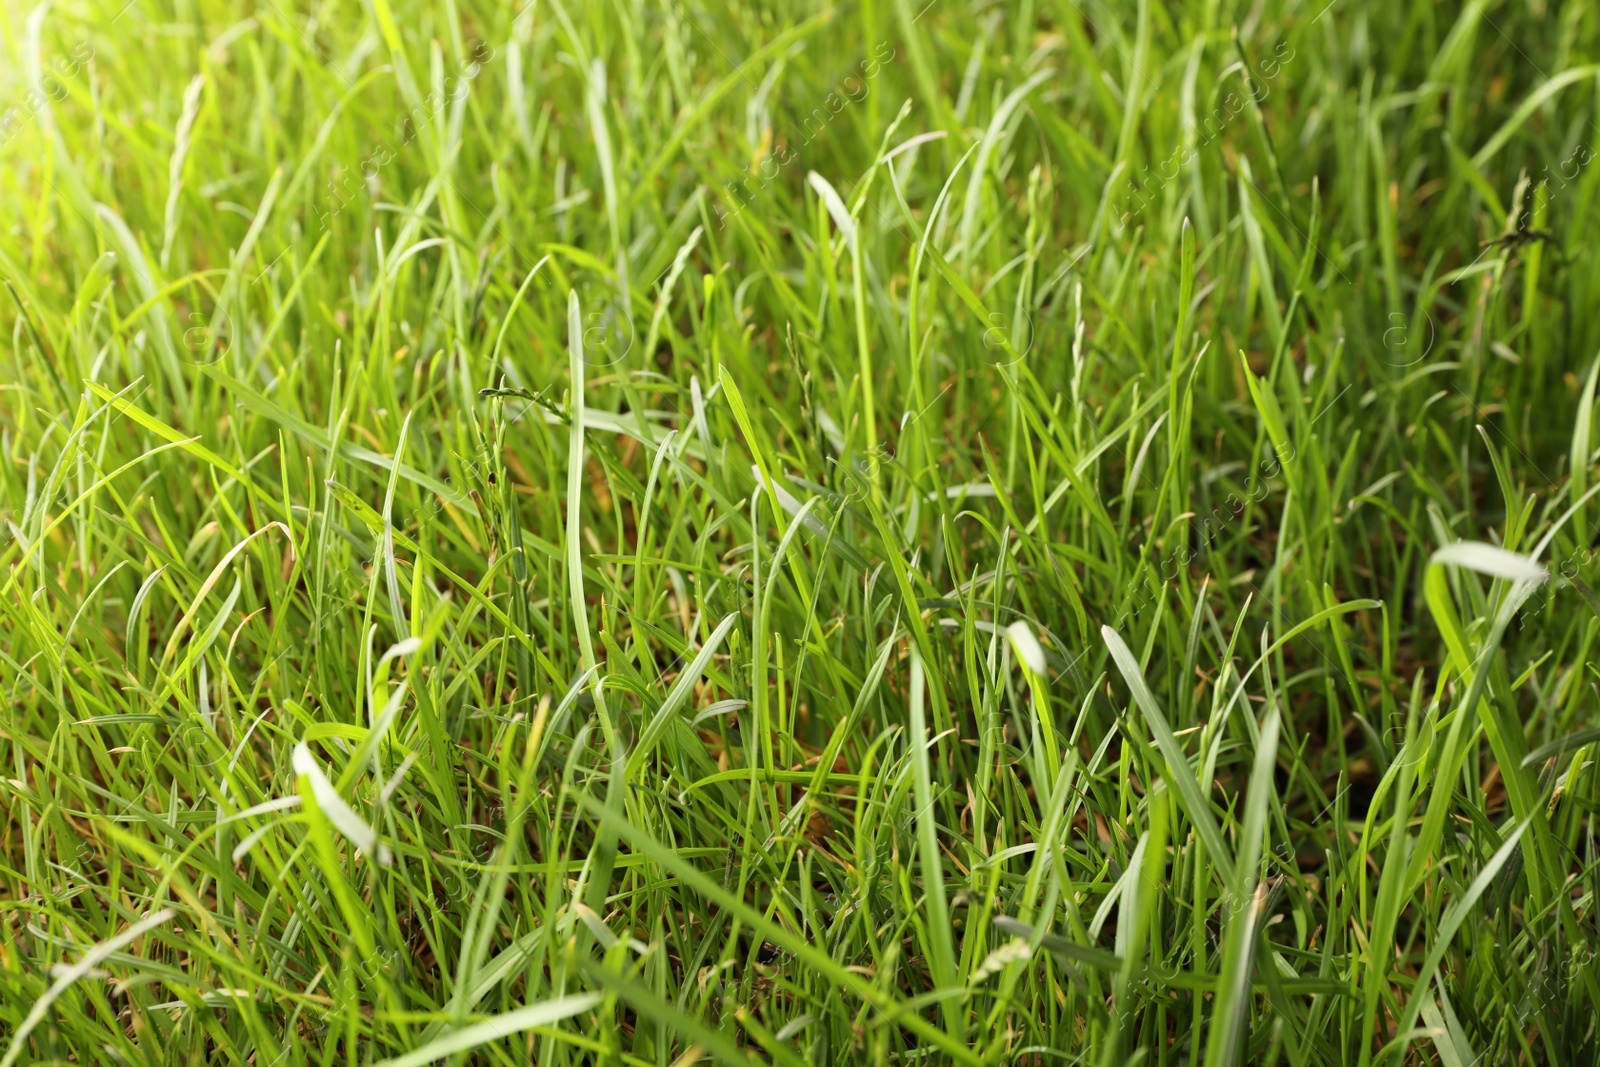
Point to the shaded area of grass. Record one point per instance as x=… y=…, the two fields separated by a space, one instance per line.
x=621 y=533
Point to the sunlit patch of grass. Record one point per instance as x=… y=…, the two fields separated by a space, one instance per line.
x=652 y=533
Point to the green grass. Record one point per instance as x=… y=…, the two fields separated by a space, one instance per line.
x=648 y=533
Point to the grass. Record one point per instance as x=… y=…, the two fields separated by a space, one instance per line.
x=650 y=533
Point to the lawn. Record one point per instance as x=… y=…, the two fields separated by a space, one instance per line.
x=653 y=532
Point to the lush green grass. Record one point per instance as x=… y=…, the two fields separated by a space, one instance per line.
x=590 y=533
